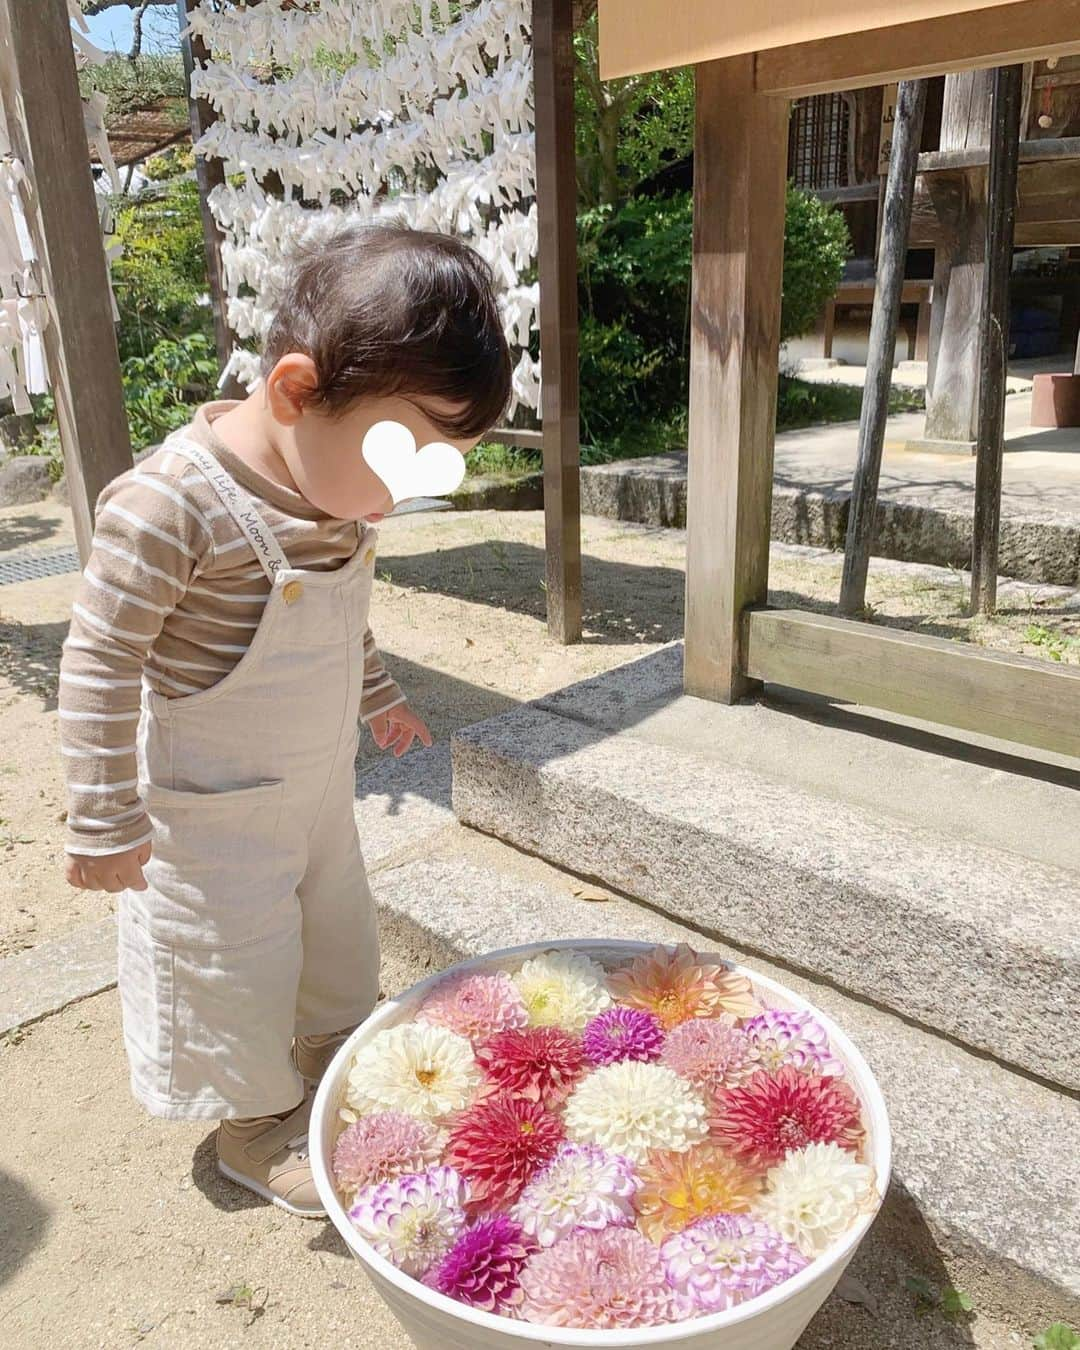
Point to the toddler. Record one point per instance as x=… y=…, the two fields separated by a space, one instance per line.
x=218 y=666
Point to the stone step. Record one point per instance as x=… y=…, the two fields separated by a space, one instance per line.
x=981 y=1195
x=942 y=888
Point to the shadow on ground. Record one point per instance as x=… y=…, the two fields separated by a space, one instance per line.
x=30 y=657
x=25 y=1224
x=20 y=531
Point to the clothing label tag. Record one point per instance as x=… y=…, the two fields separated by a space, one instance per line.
x=389 y=450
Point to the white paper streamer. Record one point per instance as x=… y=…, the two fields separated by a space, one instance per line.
x=422 y=117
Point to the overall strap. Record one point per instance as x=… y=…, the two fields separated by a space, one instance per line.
x=236 y=501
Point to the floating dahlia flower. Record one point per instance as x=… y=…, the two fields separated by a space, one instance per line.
x=815 y=1195
x=622 y=1033
x=413 y=1220
x=772 y=1114
x=425 y=1071
x=610 y=1280
x=498 y=1144
x=711 y=1053
x=475 y=1006
x=776 y=1038
x=727 y=1259
x=582 y=1187
x=630 y=1108
x=562 y=989
x=678 y=1189
x=676 y=984
x=387 y=1144
x=483 y=1268
x=539 y=1063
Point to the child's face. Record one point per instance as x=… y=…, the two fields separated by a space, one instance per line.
x=323 y=453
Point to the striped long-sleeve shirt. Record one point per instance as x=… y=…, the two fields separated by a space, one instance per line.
x=172 y=595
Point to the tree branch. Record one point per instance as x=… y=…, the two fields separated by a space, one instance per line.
x=92 y=7
x=136 y=30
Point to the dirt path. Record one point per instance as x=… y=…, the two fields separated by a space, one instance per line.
x=458 y=610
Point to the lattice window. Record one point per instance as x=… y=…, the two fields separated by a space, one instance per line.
x=818 y=145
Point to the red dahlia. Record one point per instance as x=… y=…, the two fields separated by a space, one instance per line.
x=764 y=1119
x=540 y=1063
x=498 y=1144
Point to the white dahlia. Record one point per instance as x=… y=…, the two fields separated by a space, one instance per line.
x=562 y=989
x=630 y=1107
x=413 y=1220
x=425 y=1070
x=582 y=1187
x=815 y=1195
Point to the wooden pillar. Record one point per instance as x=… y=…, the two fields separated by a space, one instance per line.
x=740 y=162
x=556 y=195
x=994 y=333
x=40 y=91
x=952 y=396
x=888 y=291
x=209 y=173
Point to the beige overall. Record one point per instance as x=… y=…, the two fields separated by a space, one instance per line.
x=258 y=923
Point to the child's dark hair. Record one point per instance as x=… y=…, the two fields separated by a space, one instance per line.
x=386 y=310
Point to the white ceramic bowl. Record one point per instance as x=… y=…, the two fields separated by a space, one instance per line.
x=772 y=1322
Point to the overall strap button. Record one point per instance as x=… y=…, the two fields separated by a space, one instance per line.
x=292 y=591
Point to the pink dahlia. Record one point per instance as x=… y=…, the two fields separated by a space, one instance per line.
x=541 y=1064
x=622 y=1033
x=611 y=1280
x=776 y=1037
x=384 y=1145
x=498 y=1144
x=766 y=1118
x=476 y=1006
x=711 y=1053
x=726 y=1259
x=483 y=1268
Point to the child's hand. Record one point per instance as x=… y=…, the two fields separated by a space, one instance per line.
x=113 y=872
x=397 y=729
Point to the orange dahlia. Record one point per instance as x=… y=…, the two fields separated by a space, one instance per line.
x=680 y=1188
x=676 y=984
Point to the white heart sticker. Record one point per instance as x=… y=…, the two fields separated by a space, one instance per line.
x=389 y=449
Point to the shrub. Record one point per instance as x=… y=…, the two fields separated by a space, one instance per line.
x=816 y=245
x=162 y=388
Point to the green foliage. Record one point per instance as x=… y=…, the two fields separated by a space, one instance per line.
x=634 y=289
x=160 y=282
x=162 y=389
x=145 y=82
x=802 y=403
x=816 y=245
x=627 y=130
x=1057 y=1337
x=1057 y=646
x=953 y=1304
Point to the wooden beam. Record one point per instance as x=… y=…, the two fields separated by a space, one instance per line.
x=1049 y=201
x=556 y=195
x=1000 y=35
x=935 y=679
x=889 y=278
x=40 y=92
x=994 y=335
x=209 y=174
x=740 y=161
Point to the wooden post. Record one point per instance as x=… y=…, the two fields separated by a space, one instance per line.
x=40 y=91
x=888 y=290
x=994 y=333
x=209 y=173
x=556 y=195
x=953 y=388
x=740 y=161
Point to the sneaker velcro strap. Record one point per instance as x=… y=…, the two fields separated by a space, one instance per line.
x=288 y=1132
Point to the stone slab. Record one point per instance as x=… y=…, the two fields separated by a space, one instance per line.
x=976 y=942
x=982 y=1155
x=401 y=801
x=57 y=973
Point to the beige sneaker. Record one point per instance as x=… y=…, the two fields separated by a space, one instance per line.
x=312 y=1054
x=269 y=1155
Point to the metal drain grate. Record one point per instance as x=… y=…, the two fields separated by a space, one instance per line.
x=31 y=564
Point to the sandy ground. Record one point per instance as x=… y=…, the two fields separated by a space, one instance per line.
x=116 y=1229
x=458 y=611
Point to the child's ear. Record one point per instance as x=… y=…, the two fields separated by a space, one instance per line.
x=289 y=387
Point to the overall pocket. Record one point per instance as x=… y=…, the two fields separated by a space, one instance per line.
x=219 y=874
